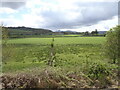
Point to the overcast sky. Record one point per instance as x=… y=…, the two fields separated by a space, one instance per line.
x=75 y=15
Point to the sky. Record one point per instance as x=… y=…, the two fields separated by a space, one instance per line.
x=74 y=15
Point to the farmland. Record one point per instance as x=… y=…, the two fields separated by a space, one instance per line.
x=59 y=40
x=72 y=55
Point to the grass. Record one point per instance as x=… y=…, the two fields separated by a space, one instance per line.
x=72 y=54
x=19 y=66
x=59 y=40
x=72 y=35
x=72 y=51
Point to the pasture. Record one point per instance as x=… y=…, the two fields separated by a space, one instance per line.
x=59 y=40
x=72 y=55
x=68 y=51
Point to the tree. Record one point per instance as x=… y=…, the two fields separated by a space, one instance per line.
x=94 y=32
x=7 y=49
x=5 y=35
x=86 y=33
x=113 y=44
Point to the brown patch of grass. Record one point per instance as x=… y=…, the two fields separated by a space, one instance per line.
x=48 y=79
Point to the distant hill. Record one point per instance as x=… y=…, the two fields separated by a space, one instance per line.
x=67 y=32
x=21 y=32
x=27 y=31
x=102 y=32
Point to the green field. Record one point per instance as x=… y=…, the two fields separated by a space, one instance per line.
x=60 y=40
x=69 y=50
x=72 y=54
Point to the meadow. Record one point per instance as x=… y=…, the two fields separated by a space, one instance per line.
x=59 y=40
x=72 y=55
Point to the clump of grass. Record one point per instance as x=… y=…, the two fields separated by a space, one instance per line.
x=50 y=78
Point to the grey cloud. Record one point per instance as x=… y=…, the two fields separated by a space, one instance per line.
x=12 y=5
x=89 y=14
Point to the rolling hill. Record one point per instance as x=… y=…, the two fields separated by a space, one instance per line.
x=16 y=32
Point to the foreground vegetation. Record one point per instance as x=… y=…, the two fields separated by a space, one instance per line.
x=72 y=55
x=79 y=62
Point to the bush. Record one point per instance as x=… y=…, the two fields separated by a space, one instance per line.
x=7 y=49
x=98 y=70
x=112 y=44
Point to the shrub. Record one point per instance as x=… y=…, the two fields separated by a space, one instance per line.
x=112 y=45
x=98 y=70
x=7 y=49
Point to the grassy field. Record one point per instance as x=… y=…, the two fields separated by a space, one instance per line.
x=72 y=54
x=69 y=50
x=60 y=40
